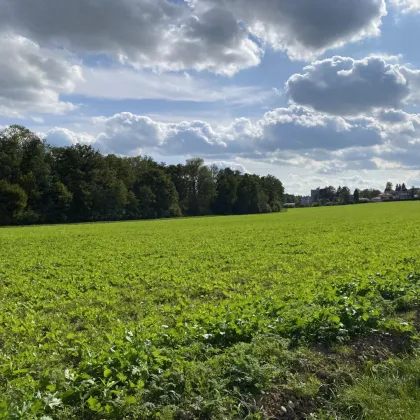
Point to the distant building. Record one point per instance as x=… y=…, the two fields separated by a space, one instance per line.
x=402 y=195
x=386 y=197
x=376 y=200
x=290 y=205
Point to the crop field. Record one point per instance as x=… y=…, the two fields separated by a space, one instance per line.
x=311 y=313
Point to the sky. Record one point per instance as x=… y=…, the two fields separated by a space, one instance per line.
x=315 y=92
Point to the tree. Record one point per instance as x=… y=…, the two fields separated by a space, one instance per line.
x=157 y=195
x=227 y=184
x=403 y=188
x=206 y=191
x=388 y=187
x=345 y=195
x=178 y=176
x=274 y=191
x=369 y=193
x=356 y=195
x=192 y=167
x=11 y=139
x=327 y=194
x=413 y=192
x=80 y=168
x=250 y=196
x=13 y=200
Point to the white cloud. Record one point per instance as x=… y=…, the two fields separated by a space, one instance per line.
x=208 y=35
x=344 y=86
x=285 y=130
x=414 y=181
x=127 y=134
x=306 y=28
x=62 y=137
x=232 y=165
x=298 y=128
x=32 y=79
x=407 y=6
x=38 y=120
x=157 y=34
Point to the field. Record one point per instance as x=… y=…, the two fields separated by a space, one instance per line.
x=311 y=313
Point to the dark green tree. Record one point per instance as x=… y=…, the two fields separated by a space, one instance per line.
x=13 y=201
x=274 y=192
x=356 y=195
x=345 y=195
x=227 y=184
x=251 y=197
x=206 y=190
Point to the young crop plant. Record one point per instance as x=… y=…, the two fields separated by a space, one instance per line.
x=292 y=315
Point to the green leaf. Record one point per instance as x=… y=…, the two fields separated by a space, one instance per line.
x=93 y=403
x=130 y=400
x=36 y=406
x=122 y=377
x=3 y=407
x=107 y=372
x=17 y=372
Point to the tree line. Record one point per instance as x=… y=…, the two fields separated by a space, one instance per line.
x=331 y=196
x=44 y=184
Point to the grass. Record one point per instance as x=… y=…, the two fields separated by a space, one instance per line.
x=212 y=317
x=390 y=390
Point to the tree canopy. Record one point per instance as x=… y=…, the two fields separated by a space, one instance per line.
x=44 y=184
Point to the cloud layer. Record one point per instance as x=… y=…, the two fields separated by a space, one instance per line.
x=209 y=35
x=284 y=129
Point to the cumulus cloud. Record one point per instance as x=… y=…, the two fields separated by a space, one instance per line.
x=158 y=34
x=32 y=79
x=407 y=6
x=298 y=128
x=306 y=28
x=284 y=129
x=401 y=128
x=345 y=86
x=126 y=134
x=62 y=137
x=295 y=136
x=232 y=165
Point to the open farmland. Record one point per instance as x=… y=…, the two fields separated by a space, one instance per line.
x=213 y=317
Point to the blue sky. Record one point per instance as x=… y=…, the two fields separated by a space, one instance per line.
x=314 y=92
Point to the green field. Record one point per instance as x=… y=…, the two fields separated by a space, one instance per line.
x=308 y=313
